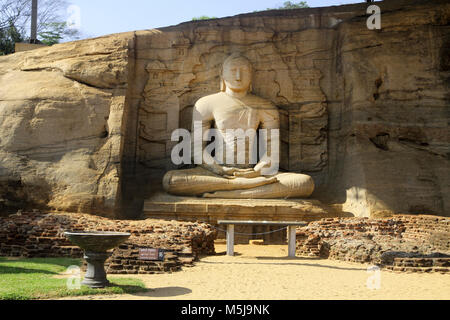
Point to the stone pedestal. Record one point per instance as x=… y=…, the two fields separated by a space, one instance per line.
x=95 y=276
x=168 y=207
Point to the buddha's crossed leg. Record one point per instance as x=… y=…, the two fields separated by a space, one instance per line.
x=198 y=181
x=201 y=182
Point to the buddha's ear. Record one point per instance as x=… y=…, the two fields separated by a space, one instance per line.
x=223 y=87
x=250 y=89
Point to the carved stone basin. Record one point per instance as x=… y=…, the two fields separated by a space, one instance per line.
x=97 y=241
x=95 y=245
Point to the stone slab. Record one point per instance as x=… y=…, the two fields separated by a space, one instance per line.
x=169 y=207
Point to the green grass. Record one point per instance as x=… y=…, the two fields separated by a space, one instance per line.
x=33 y=278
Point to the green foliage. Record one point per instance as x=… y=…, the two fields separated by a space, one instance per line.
x=54 y=32
x=25 y=279
x=8 y=37
x=203 y=18
x=291 y=5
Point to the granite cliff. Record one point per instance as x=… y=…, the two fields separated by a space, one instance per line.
x=86 y=125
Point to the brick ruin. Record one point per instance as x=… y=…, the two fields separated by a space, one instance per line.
x=36 y=234
x=405 y=243
x=400 y=243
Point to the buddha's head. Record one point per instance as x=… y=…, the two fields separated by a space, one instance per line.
x=236 y=74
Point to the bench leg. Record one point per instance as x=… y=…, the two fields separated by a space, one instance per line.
x=230 y=240
x=292 y=241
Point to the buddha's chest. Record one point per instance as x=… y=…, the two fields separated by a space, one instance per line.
x=236 y=117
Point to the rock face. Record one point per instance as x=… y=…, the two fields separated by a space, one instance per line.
x=86 y=126
x=61 y=115
x=392 y=119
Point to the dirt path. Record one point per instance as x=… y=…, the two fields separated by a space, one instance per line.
x=264 y=272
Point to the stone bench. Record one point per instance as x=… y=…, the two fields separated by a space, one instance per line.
x=290 y=224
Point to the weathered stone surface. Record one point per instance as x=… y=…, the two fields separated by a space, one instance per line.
x=364 y=112
x=61 y=111
x=392 y=124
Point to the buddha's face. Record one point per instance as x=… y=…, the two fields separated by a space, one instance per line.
x=237 y=75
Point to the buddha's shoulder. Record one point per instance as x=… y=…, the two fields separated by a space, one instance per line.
x=212 y=98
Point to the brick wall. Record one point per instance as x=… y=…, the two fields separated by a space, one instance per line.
x=36 y=234
x=399 y=243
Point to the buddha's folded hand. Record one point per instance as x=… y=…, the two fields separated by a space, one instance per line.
x=224 y=171
x=254 y=172
x=232 y=172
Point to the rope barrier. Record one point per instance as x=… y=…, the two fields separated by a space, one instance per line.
x=247 y=234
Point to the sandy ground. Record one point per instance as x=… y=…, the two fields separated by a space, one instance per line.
x=264 y=272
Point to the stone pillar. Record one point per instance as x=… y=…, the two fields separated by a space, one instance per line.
x=230 y=240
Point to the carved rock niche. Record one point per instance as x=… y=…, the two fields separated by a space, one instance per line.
x=178 y=81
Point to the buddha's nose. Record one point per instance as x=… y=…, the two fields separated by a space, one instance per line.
x=238 y=74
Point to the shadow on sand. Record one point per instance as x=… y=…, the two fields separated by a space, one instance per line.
x=163 y=292
x=293 y=262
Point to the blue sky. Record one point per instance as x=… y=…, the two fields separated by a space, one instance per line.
x=101 y=17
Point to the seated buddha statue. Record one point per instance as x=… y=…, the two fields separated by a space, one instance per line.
x=231 y=171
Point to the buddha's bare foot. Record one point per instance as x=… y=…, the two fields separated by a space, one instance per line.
x=248 y=174
x=255 y=182
x=243 y=183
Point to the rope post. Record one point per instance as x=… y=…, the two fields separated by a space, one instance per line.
x=292 y=241
x=230 y=240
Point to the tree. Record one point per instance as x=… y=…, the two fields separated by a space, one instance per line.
x=55 y=31
x=8 y=37
x=11 y=12
x=15 y=17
